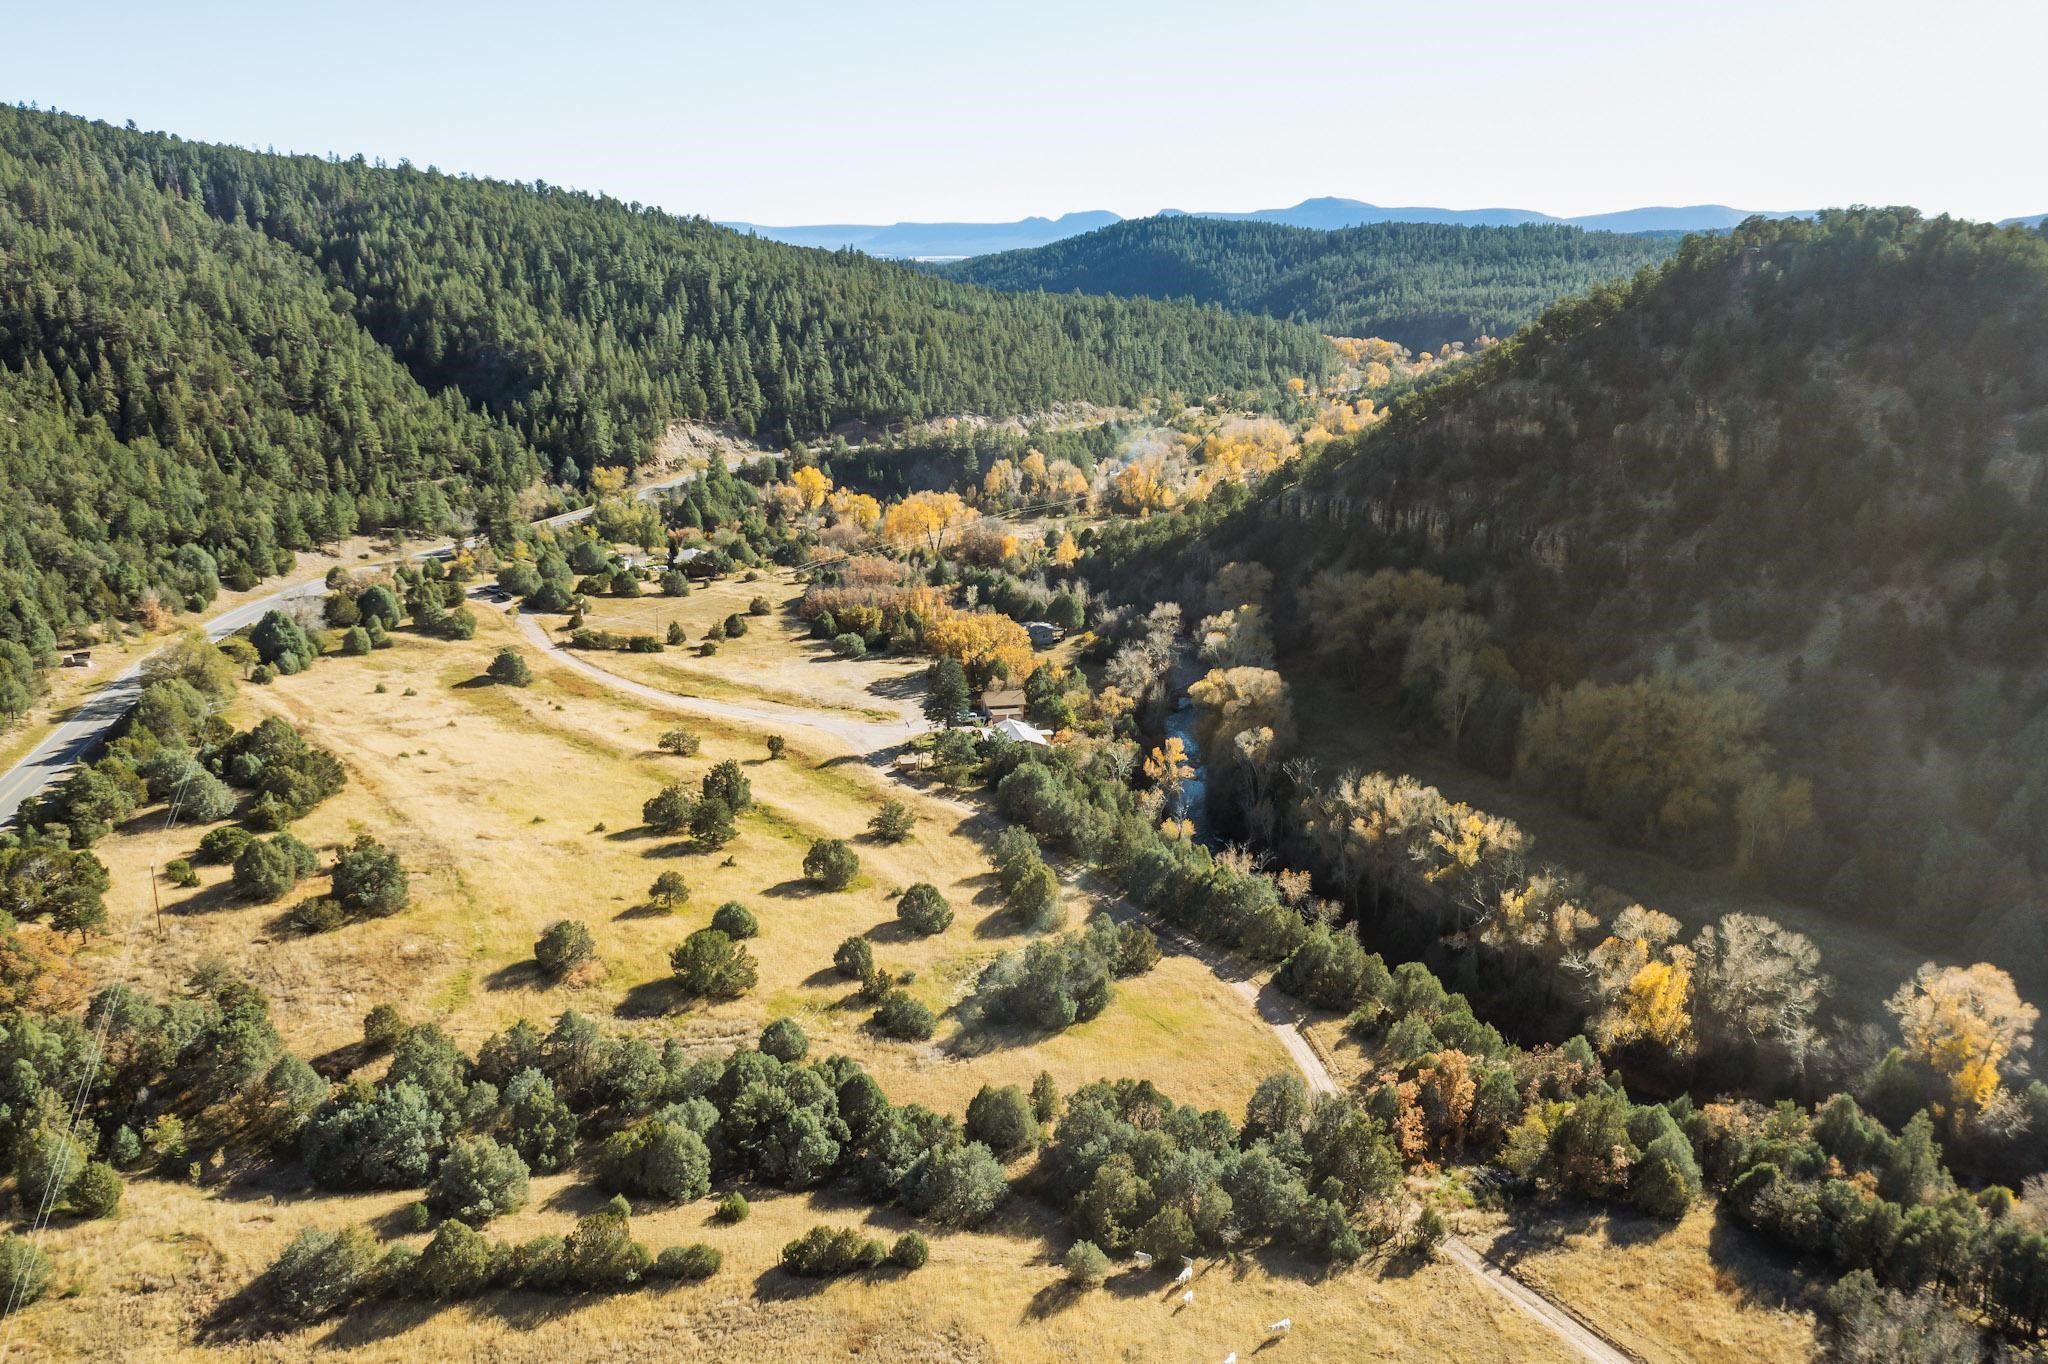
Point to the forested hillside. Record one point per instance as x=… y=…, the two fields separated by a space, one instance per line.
x=211 y=357
x=1747 y=559
x=1421 y=284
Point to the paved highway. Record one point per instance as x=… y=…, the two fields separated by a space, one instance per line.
x=76 y=737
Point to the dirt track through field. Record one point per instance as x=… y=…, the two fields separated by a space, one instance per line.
x=877 y=741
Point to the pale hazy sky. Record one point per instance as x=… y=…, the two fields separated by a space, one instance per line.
x=781 y=111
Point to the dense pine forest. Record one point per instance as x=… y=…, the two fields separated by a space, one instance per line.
x=1747 y=559
x=1420 y=284
x=211 y=357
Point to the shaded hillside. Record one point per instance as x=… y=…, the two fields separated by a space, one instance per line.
x=211 y=357
x=1421 y=284
x=1803 y=464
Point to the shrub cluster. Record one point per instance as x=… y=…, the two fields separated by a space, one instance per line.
x=1056 y=982
x=587 y=638
x=825 y=1252
x=831 y=864
x=923 y=910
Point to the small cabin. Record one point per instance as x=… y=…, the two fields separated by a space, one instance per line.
x=1003 y=705
x=1018 y=732
x=697 y=563
x=1044 y=634
x=78 y=658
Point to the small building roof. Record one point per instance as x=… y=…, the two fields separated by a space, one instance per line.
x=1017 y=732
x=1010 y=698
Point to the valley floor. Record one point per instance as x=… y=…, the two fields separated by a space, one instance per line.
x=514 y=807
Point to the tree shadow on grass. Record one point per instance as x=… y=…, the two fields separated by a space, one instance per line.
x=389 y=1226
x=890 y=932
x=778 y=1285
x=1131 y=1282
x=383 y=1319
x=1539 y=1225
x=517 y=975
x=342 y=1061
x=474 y=683
x=1053 y=1299
x=1406 y=1264
x=209 y=900
x=978 y=1037
x=655 y=998
x=795 y=888
x=1001 y=924
x=639 y=833
x=898 y=686
x=248 y=1314
x=644 y=910
x=1636 y=1230
x=1756 y=1271
x=576 y=1199
x=251 y=1314
x=531 y=1311
x=988 y=889
x=280 y=925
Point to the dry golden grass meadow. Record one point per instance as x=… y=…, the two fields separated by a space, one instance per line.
x=515 y=807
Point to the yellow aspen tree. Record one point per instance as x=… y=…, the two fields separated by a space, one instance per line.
x=862 y=510
x=811 y=486
x=1964 y=1021
x=1168 y=768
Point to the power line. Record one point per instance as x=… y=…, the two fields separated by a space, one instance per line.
x=46 y=1207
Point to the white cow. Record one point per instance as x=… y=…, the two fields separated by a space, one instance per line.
x=1186 y=1272
x=1144 y=1260
x=1281 y=1327
x=1187 y=1299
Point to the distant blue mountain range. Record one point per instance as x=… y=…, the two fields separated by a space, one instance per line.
x=935 y=240
x=2035 y=221
x=940 y=241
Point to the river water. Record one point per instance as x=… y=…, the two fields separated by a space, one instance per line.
x=1180 y=724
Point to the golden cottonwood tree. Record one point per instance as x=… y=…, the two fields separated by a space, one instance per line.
x=986 y=644
x=811 y=486
x=1244 y=723
x=1168 y=768
x=1643 y=979
x=926 y=518
x=859 y=508
x=1964 y=1021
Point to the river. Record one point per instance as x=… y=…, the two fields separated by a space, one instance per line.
x=1180 y=724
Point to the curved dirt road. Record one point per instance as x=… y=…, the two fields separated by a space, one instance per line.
x=874 y=740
